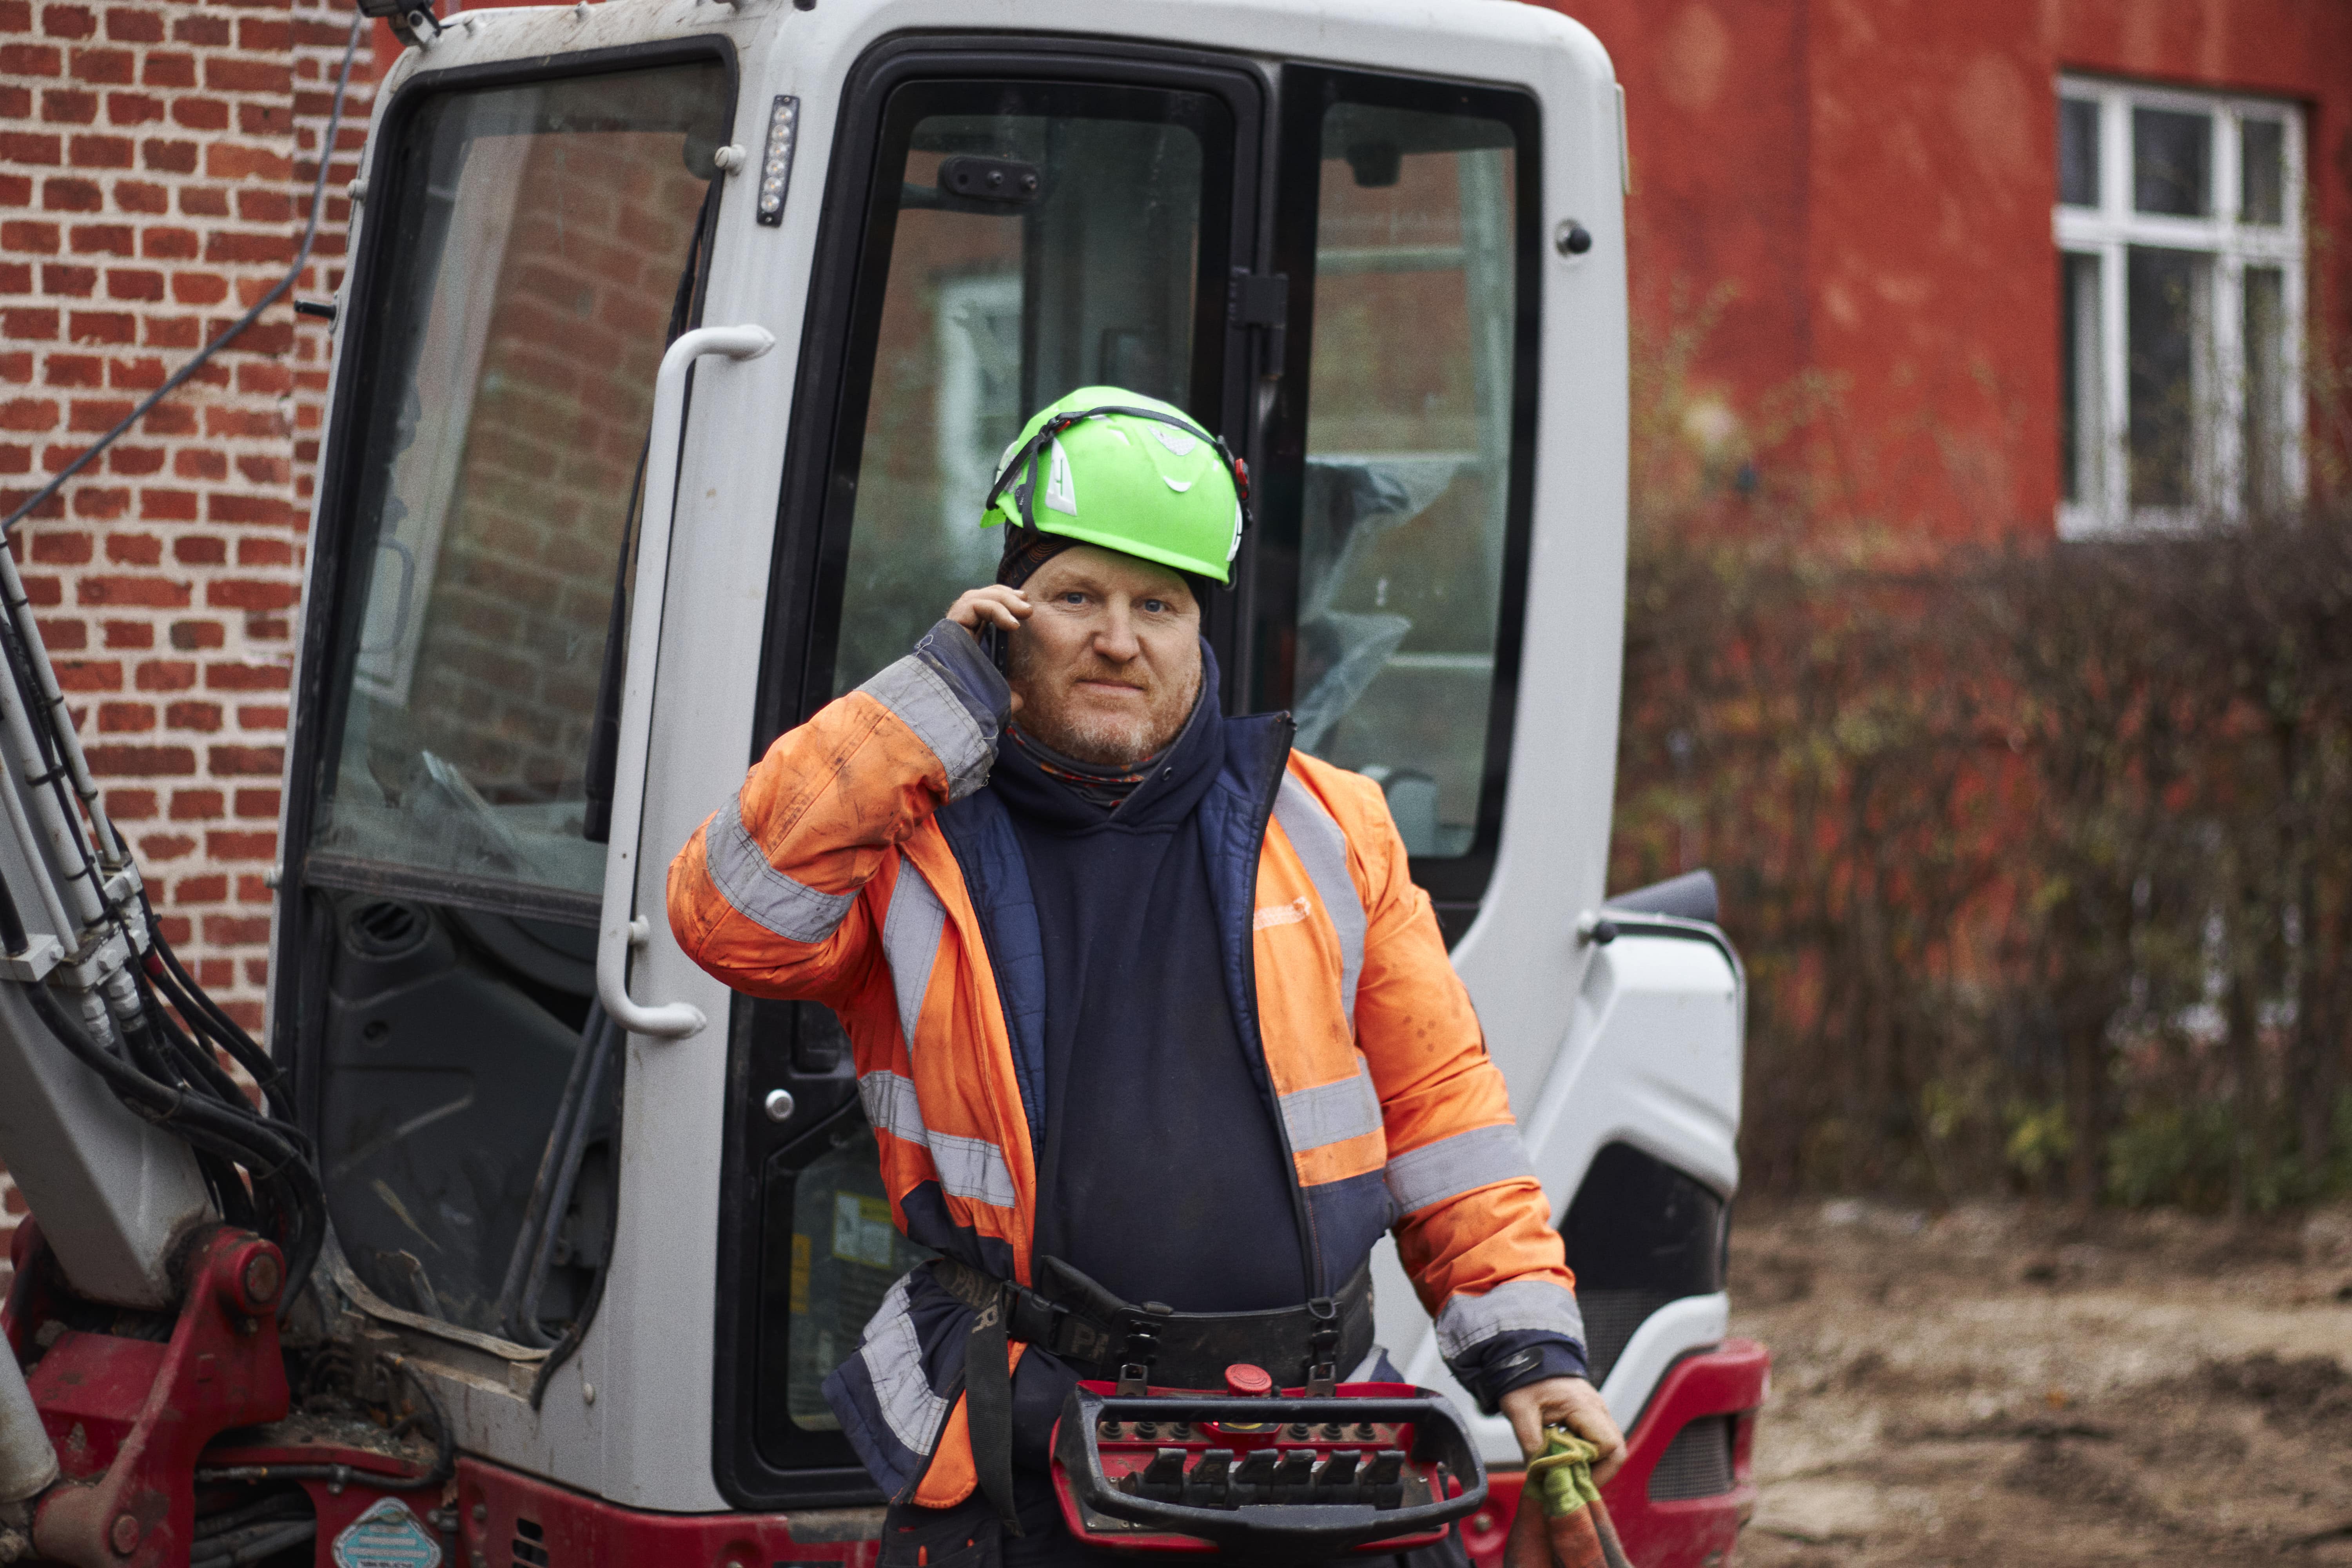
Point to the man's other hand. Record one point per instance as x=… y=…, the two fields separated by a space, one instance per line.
x=1569 y=1402
x=995 y=605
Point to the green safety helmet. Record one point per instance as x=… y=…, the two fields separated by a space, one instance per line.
x=1110 y=467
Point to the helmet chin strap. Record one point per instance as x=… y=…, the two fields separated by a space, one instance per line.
x=1024 y=462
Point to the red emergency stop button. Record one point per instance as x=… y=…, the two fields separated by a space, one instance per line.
x=1243 y=1381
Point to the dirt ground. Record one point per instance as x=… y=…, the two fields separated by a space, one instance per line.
x=2013 y=1385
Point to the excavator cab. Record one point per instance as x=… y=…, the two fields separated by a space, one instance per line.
x=679 y=343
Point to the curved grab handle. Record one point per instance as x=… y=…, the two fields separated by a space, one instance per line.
x=663 y=1020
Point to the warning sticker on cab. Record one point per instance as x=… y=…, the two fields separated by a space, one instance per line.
x=388 y=1535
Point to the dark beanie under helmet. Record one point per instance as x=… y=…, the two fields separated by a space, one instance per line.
x=1026 y=549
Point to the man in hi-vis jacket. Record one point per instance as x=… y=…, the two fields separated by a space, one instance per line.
x=1144 y=1003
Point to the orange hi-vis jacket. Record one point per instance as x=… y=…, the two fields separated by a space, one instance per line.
x=864 y=866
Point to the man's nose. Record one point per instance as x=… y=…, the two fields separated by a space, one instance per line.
x=1115 y=639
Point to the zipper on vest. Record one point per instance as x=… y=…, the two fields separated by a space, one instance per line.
x=1253 y=1037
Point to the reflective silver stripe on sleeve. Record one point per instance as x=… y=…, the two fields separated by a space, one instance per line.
x=739 y=870
x=1538 y=1304
x=1323 y=849
x=1332 y=1112
x=910 y=944
x=969 y=1168
x=893 y=1354
x=916 y=693
x=1451 y=1166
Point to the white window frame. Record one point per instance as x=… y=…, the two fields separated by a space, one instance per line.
x=2109 y=231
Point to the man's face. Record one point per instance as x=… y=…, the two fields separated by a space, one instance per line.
x=1108 y=665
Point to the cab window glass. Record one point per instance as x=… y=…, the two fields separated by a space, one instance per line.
x=544 y=235
x=530 y=249
x=1039 y=239
x=1407 y=494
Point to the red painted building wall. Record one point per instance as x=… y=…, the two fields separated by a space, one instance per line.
x=1874 y=181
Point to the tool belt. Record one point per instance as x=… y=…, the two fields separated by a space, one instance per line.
x=1100 y=1337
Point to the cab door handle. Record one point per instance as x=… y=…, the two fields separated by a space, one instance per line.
x=662 y=1020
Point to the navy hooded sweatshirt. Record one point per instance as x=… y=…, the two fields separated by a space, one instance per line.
x=1159 y=1149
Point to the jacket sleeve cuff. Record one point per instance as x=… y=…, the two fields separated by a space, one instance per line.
x=956 y=656
x=1494 y=1367
x=954 y=700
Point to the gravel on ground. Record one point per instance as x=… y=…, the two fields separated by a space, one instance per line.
x=2012 y=1384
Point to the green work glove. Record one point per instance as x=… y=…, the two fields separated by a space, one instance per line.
x=1562 y=1476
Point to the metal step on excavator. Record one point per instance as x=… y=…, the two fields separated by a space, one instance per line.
x=679 y=341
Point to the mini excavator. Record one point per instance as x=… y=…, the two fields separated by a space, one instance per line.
x=679 y=340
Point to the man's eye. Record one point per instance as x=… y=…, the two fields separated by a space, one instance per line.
x=1074 y=598
x=1155 y=606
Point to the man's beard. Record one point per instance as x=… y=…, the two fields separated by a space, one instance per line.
x=1101 y=740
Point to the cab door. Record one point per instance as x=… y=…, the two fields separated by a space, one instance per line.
x=1004 y=221
x=538 y=230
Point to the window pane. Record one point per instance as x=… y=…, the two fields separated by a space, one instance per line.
x=2172 y=163
x=546 y=232
x=995 y=308
x=2080 y=401
x=2164 y=302
x=1408 y=460
x=2262 y=158
x=846 y=1254
x=2078 y=152
x=2264 y=430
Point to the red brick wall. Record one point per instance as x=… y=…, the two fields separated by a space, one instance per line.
x=155 y=163
x=1874 y=179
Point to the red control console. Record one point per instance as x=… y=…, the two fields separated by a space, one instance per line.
x=1253 y=1470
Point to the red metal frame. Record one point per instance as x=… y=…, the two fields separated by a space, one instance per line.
x=576 y=1530
x=337 y=1500
x=130 y=1415
x=1732 y=1379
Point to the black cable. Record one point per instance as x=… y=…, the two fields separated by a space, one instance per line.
x=229 y=1194
x=150 y=1101
x=48 y=751
x=253 y=1543
x=205 y=1125
x=179 y=378
x=275 y=1509
x=12 y=925
x=193 y=1000
x=192 y=1055
x=224 y=1088
x=194 y=1014
x=161 y=1074
x=146 y=1081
